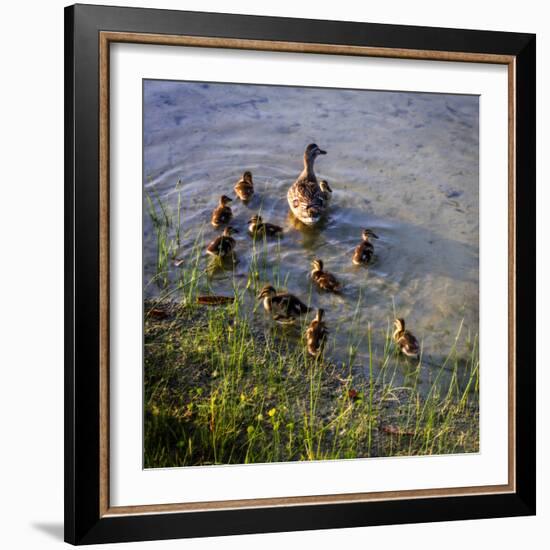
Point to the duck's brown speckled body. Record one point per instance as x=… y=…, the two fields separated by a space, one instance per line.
x=257 y=227
x=365 y=251
x=405 y=341
x=323 y=279
x=316 y=334
x=283 y=307
x=306 y=199
x=244 y=188
x=223 y=213
x=224 y=245
x=326 y=191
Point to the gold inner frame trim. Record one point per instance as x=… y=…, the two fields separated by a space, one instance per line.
x=105 y=39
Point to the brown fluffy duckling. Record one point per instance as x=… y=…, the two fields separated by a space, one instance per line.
x=284 y=307
x=244 y=188
x=256 y=226
x=222 y=213
x=223 y=245
x=316 y=334
x=305 y=197
x=323 y=279
x=405 y=340
x=325 y=190
x=364 y=252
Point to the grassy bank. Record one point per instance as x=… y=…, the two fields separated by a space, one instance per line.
x=218 y=390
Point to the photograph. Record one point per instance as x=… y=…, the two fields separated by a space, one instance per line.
x=310 y=273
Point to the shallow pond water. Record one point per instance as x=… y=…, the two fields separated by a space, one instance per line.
x=403 y=164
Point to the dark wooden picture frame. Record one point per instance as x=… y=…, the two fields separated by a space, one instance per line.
x=89 y=31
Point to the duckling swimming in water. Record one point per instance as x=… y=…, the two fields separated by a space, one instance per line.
x=405 y=340
x=323 y=279
x=223 y=245
x=305 y=197
x=316 y=334
x=244 y=188
x=222 y=214
x=284 y=307
x=364 y=252
x=256 y=226
x=325 y=190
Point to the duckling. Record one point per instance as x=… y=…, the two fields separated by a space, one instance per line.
x=222 y=214
x=405 y=340
x=326 y=190
x=305 y=197
x=256 y=226
x=284 y=307
x=223 y=245
x=316 y=334
x=364 y=252
x=244 y=188
x=323 y=279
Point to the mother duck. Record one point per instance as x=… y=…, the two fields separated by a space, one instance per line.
x=306 y=199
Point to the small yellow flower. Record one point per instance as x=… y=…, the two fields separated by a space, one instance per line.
x=272 y=412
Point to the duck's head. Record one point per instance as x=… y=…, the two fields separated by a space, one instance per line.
x=368 y=233
x=313 y=151
x=267 y=291
x=228 y=231
x=224 y=199
x=247 y=176
x=325 y=187
x=255 y=219
x=399 y=325
x=320 y=314
x=317 y=265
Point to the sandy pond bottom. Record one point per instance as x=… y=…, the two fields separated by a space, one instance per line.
x=403 y=164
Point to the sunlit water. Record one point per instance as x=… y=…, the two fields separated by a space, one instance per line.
x=403 y=164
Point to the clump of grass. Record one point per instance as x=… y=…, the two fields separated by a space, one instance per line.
x=166 y=246
x=221 y=390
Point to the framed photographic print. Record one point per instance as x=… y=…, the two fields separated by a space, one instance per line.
x=299 y=274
